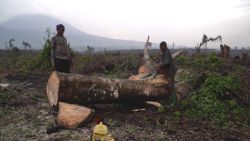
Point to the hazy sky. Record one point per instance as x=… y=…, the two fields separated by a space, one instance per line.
x=179 y=21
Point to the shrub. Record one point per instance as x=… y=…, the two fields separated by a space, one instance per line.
x=212 y=101
x=43 y=61
x=182 y=59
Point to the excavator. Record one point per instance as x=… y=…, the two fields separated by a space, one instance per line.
x=205 y=39
x=224 y=48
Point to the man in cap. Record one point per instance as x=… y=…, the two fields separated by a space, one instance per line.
x=60 y=52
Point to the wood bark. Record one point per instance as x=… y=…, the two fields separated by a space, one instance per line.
x=72 y=116
x=182 y=90
x=82 y=89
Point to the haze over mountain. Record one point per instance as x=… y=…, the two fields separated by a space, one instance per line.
x=32 y=29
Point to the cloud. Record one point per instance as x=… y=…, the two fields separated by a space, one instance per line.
x=245 y=4
x=11 y=8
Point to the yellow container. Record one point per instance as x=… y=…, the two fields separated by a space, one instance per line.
x=100 y=133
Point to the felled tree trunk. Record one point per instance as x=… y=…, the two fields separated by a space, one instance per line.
x=82 y=89
x=72 y=116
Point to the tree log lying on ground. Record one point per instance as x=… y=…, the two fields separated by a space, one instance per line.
x=82 y=89
x=72 y=116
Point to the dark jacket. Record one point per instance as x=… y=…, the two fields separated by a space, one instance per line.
x=167 y=65
x=59 y=49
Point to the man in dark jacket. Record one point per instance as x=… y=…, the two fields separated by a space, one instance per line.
x=60 y=52
x=166 y=65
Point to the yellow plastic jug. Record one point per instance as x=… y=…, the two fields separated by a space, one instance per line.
x=100 y=133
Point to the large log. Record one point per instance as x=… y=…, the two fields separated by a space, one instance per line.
x=82 y=89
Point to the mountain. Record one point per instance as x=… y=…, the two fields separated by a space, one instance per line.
x=32 y=29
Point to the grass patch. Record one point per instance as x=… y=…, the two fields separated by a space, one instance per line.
x=215 y=101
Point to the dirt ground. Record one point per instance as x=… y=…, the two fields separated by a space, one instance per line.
x=28 y=117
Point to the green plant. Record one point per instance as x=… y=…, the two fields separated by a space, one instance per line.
x=177 y=115
x=161 y=109
x=45 y=57
x=210 y=62
x=238 y=69
x=209 y=102
x=5 y=96
x=43 y=61
x=182 y=59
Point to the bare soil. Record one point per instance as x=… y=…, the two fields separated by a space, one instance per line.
x=28 y=116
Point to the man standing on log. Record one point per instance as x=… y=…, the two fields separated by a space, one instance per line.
x=166 y=65
x=60 y=52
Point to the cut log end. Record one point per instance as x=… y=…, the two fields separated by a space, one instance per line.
x=73 y=116
x=52 y=89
